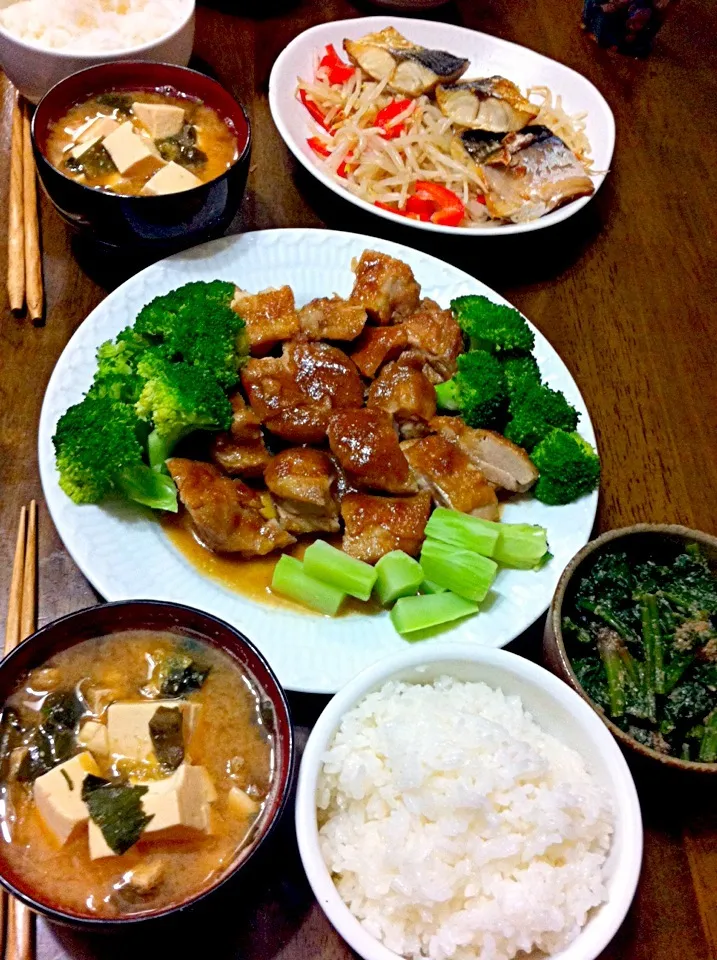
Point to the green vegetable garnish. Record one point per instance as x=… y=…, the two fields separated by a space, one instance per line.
x=337 y=568
x=493 y=326
x=651 y=621
x=291 y=580
x=397 y=575
x=569 y=468
x=165 y=730
x=464 y=531
x=415 y=614
x=468 y=574
x=477 y=390
x=99 y=451
x=117 y=810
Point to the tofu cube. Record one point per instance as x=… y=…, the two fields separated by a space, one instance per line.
x=131 y=154
x=83 y=147
x=98 y=128
x=159 y=119
x=172 y=178
x=93 y=736
x=128 y=726
x=241 y=804
x=99 y=848
x=178 y=802
x=58 y=795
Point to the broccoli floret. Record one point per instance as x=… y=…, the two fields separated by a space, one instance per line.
x=477 y=390
x=117 y=360
x=99 y=451
x=196 y=324
x=179 y=399
x=492 y=326
x=521 y=373
x=534 y=411
x=569 y=468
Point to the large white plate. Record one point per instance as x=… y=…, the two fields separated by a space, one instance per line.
x=488 y=55
x=127 y=556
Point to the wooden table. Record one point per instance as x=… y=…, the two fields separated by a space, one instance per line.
x=626 y=291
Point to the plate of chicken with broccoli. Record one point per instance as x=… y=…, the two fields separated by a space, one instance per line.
x=336 y=443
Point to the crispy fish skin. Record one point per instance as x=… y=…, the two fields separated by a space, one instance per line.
x=541 y=175
x=492 y=103
x=409 y=68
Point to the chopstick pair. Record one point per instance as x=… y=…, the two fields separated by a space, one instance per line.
x=21 y=622
x=24 y=262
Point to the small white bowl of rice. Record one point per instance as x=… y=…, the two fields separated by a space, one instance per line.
x=461 y=803
x=44 y=41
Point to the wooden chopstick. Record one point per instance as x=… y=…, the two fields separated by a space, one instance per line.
x=33 y=261
x=21 y=622
x=16 y=220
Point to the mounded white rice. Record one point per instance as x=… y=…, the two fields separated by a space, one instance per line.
x=90 y=26
x=455 y=827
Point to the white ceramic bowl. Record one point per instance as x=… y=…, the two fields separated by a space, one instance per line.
x=555 y=707
x=34 y=69
x=488 y=55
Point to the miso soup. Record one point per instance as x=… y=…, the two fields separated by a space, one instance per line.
x=142 y=142
x=133 y=769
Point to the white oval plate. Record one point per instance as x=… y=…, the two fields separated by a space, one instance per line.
x=488 y=56
x=127 y=556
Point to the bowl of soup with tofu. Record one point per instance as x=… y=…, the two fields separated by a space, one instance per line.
x=146 y=753
x=143 y=156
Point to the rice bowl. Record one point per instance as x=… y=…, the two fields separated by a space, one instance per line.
x=437 y=911
x=39 y=48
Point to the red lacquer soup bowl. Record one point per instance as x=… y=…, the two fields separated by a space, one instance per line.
x=185 y=622
x=143 y=224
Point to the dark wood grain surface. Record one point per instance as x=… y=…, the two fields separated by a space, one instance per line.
x=627 y=293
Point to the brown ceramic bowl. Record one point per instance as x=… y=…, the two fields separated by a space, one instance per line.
x=108 y=618
x=634 y=539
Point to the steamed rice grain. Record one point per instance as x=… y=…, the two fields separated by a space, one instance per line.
x=456 y=829
x=91 y=26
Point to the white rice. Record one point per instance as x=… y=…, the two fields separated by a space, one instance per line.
x=91 y=26
x=455 y=827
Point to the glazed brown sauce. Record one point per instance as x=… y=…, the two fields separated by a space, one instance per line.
x=251 y=578
x=230 y=741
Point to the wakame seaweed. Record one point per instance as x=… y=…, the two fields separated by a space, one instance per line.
x=166 y=731
x=10 y=738
x=53 y=739
x=116 y=808
x=178 y=675
x=93 y=162
x=641 y=635
x=182 y=148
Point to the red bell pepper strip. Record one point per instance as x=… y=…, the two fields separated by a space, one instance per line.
x=389 y=113
x=401 y=213
x=313 y=108
x=422 y=208
x=336 y=70
x=318 y=146
x=448 y=208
